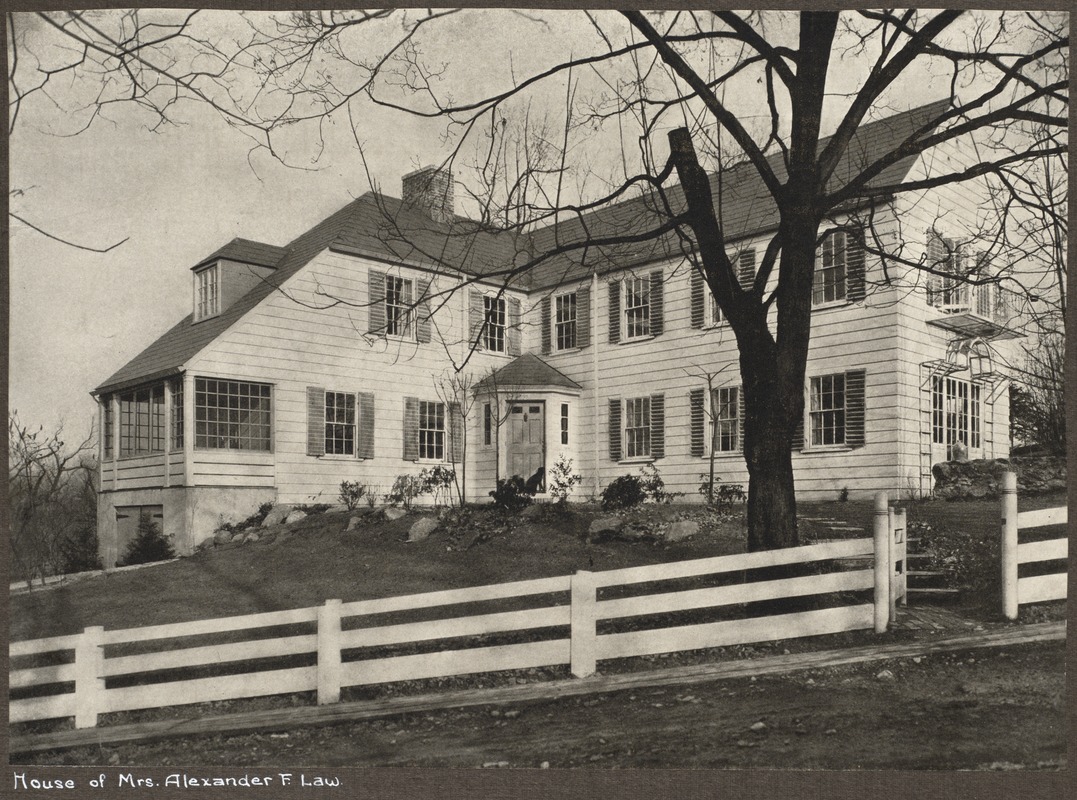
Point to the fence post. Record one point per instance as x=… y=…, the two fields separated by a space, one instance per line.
x=1009 y=545
x=89 y=677
x=329 y=652
x=902 y=553
x=583 y=629
x=882 y=562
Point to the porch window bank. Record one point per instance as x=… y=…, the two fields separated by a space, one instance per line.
x=232 y=415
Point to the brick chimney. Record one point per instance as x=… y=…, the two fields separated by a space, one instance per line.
x=430 y=190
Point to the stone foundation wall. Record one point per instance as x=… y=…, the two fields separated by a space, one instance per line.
x=977 y=479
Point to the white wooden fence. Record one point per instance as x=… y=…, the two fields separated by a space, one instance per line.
x=1032 y=589
x=605 y=618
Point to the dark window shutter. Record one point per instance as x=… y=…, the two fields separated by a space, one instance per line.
x=615 y=430
x=376 y=301
x=411 y=429
x=513 y=333
x=696 y=287
x=583 y=316
x=798 y=434
x=658 y=426
x=657 y=303
x=854 y=408
x=315 y=421
x=422 y=313
x=854 y=265
x=476 y=318
x=740 y=418
x=697 y=421
x=746 y=268
x=615 y=312
x=456 y=433
x=366 y=424
x=545 y=312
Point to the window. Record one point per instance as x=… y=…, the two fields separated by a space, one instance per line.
x=106 y=402
x=565 y=321
x=340 y=423
x=142 y=427
x=398 y=306
x=176 y=421
x=493 y=333
x=231 y=415
x=207 y=299
x=637 y=313
x=714 y=311
x=827 y=410
x=829 y=284
x=431 y=431
x=487 y=424
x=564 y=423
x=726 y=420
x=955 y=413
x=638 y=427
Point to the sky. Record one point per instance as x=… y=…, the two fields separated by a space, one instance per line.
x=178 y=193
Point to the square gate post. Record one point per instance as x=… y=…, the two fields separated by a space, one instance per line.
x=1009 y=545
x=882 y=542
x=583 y=630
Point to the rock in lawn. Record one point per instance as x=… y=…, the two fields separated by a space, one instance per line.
x=222 y=536
x=885 y=675
x=353 y=523
x=682 y=529
x=422 y=528
x=295 y=516
x=759 y=726
x=606 y=526
x=392 y=513
x=277 y=515
x=251 y=537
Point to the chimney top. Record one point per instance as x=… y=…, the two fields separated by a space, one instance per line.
x=430 y=190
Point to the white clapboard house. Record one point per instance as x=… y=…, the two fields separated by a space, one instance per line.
x=326 y=359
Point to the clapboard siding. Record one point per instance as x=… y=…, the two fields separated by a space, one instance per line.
x=139 y=472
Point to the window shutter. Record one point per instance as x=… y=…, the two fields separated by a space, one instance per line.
x=854 y=265
x=545 y=312
x=657 y=303
x=422 y=313
x=476 y=317
x=615 y=312
x=376 y=302
x=456 y=433
x=366 y=424
x=658 y=426
x=746 y=268
x=615 y=430
x=696 y=289
x=315 y=421
x=583 y=316
x=798 y=434
x=697 y=421
x=740 y=418
x=513 y=333
x=411 y=429
x=854 y=408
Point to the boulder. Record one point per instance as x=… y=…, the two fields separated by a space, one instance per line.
x=251 y=537
x=532 y=511
x=223 y=536
x=277 y=515
x=353 y=523
x=422 y=528
x=295 y=516
x=205 y=544
x=682 y=529
x=605 y=526
x=392 y=513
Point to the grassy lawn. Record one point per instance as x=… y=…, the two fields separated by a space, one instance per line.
x=317 y=558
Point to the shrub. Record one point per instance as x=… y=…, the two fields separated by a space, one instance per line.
x=843 y=495
x=563 y=480
x=623 y=492
x=313 y=508
x=351 y=493
x=512 y=494
x=149 y=545
x=406 y=488
x=724 y=495
x=653 y=485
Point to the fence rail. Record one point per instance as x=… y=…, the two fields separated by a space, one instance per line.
x=1017 y=590
x=572 y=621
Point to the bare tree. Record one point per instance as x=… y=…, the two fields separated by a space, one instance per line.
x=457 y=392
x=1037 y=401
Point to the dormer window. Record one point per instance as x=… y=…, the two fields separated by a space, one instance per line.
x=207 y=292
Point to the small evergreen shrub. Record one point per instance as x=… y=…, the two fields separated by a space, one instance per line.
x=623 y=492
x=512 y=494
x=149 y=545
x=351 y=493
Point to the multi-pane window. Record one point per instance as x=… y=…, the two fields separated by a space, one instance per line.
x=955 y=412
x=431 y=430
x=232 y=415
x=340 y=423
x=565 y=321
x=827 y=410
x=637 y=427
x=207 y=288
x=829 y=284
x=106 y=427
x=726 y=421
x=142 y=426
x=637 y=312
x=175 y=422
x=564 y=423
x=493 y=334
x=398 y=306
x=487 y=424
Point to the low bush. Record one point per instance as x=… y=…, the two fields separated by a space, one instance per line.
x=406 y=488
x=563 y=480
x=623 y=492
x=351 y=493
x=512 y=494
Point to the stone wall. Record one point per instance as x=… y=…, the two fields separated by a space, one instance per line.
x=968 y=480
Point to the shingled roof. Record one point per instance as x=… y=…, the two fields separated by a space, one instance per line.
x=384 y=228
x=527 y=370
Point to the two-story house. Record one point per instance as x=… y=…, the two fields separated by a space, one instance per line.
x=331 y=358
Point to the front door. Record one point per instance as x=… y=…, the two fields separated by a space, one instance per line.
x=526 y=452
